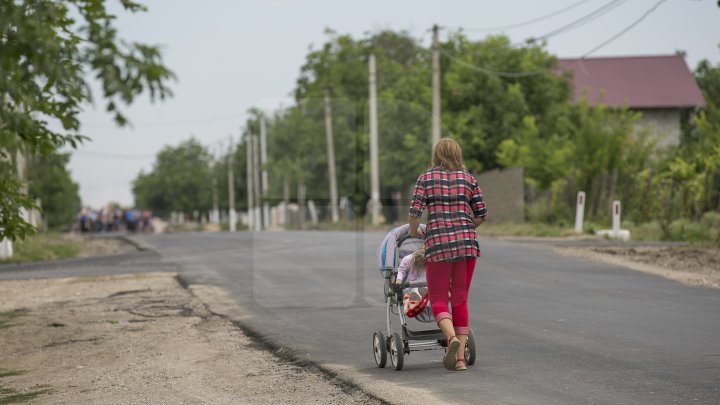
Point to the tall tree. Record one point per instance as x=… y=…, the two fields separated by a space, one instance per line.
x=49 y=50
x=489 y=86
x=179 y=181
x=50 y=181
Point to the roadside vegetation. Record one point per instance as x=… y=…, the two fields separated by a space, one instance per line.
x=42 y=247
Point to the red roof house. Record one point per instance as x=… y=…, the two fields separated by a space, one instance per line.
x=661 y=87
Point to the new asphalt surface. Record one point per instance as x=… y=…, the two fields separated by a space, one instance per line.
x=550 y=329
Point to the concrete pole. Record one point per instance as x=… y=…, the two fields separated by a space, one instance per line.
x=435 y=86
x=331 y=159
x=263 y=163
x=374 y=169
x=231 y=187
x=249 y=182
x=301 y=204
x=286 y=199
x=256 y=183
x=215 y=215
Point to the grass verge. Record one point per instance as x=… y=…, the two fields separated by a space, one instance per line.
x=42 y=247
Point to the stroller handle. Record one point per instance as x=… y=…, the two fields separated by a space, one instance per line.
x=403 y=239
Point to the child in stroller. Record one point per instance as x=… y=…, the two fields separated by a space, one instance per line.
x=412 y=269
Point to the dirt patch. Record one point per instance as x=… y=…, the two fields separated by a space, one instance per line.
x=697 y=266
x=138 y=339
x=92 y=247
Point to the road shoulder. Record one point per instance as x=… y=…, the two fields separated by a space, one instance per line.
x=140 y=338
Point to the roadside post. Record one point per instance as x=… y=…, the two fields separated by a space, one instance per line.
x=616 y=219
x=580 y=212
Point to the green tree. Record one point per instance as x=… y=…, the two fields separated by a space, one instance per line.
x=50 y=181
x=180 y=180
x=49 y=50
x=484 y=102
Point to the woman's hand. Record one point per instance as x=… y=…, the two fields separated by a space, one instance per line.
x=415 y=231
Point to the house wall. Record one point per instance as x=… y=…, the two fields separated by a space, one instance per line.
x=665 y=123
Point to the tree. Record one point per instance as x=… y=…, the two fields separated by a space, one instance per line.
x=179 y=181
x=50 y=181
x=482 y=107
x=49 y=49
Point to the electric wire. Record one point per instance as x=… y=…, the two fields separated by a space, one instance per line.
x=593 y=15
x=626 y=29
x=527 y=22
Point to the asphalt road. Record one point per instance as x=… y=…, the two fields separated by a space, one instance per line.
x=550 y=329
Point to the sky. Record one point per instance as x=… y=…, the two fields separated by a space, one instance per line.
x=231 y=55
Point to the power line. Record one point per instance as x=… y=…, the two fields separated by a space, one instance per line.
x=169 y=123
x=493 y=72
x=111 y=155
x=626 y=29
x=582 y=20
x=527 y=22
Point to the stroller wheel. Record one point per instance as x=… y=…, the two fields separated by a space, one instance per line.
x=397 y=351
x=380 y=348
x=470 y=349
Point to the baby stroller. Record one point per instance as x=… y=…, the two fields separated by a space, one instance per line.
x=397 y=344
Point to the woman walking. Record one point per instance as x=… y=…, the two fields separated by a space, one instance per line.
x=455 y=208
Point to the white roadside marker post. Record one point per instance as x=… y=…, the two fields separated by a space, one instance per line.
x=616 y=219
x=580 y=212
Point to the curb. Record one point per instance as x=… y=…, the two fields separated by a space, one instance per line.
x=141 y=246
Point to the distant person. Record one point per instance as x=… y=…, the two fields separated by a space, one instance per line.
x=455 y=209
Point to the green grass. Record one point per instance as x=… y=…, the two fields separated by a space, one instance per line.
x=7 y=316
x=13 y=396
x=525 y=229
x=43 y=247
x=10 y=373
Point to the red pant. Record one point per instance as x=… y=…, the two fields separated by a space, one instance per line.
x=453 y=278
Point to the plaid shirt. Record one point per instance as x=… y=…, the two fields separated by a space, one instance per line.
x=452 y=200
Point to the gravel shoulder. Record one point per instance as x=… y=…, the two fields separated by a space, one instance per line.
x=140 y=339
x=691 y=265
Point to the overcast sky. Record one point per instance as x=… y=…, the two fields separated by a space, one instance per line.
x=230 y=55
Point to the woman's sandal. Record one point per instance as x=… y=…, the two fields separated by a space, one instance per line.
x=460 y=365
x=451 y=353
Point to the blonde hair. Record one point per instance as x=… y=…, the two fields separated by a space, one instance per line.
x=419 y=257
x=447 y=155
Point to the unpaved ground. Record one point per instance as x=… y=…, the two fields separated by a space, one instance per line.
x=697 y=266
x=102 y=246
x=139 y=339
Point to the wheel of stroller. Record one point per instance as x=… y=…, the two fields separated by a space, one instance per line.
x=470 y=349
x=397 y=351
x=380 y=348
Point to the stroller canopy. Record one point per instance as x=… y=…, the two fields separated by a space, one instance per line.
x=386 y=251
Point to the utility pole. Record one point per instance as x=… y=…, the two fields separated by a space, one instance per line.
x=256 y=183
x=331 y=158
x=263 y=163
x=249 y=182
x=435 y=86
x=215 y=216
x=231 y=187
x=374 y=169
